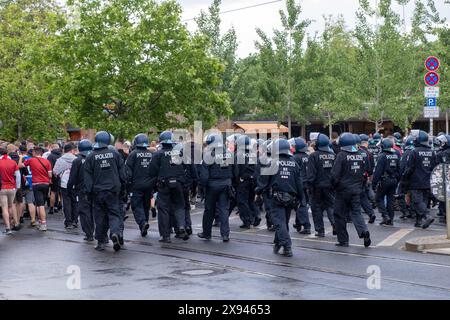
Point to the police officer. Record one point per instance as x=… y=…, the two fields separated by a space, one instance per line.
x=443 y=156
x=347 y=177
x=365 y=194
x=402 y=192
x=301 y=157
x=264 y=163
x=75 y=187
x=373 y=147
x=318 y=182
x=103 y=181
x=245 y=196
x=216 y=175
x=285 y=191
x=398 y=143
x=191 y=181
x=385 y=179
x=167 y=166
x=140 y=180
x=417 y=173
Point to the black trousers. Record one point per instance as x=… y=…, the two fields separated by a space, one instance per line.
x=245 y=197
x=170 y=202
x=348 y=203
x=140 y=204
x=419 y=199
x=69 y=208
x=217 y=200
x=84 y=209
x=322 y=200
x=107 y=214
x=386 y=190
x=280 y=217
x=302 y=215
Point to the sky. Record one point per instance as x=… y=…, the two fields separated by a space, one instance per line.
x=267 y=17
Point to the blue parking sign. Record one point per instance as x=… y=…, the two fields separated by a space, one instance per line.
x=431 y=102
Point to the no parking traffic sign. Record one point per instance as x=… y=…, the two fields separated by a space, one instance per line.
x=431 y=79
x=432 y=63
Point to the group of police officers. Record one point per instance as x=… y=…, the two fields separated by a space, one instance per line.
x=276 y=176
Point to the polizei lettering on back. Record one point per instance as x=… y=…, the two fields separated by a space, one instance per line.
x=286 y=163
x=354 y=157
x=103 y=156
x=144 y=155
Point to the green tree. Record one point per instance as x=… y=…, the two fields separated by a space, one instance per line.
x=130 y=65
x=281 y=59
x=29 y=90
x=332 y=74
x=388 y=73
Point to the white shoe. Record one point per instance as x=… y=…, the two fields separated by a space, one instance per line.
x=192 y=206
x=43 y=227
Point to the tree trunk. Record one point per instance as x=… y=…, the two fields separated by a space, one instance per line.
x=330 y=126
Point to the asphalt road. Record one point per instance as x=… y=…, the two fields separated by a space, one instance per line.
x=58 y=264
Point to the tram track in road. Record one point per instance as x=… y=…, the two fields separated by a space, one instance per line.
x=282 y=264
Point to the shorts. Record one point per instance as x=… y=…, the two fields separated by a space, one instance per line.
x=54 y=187
x=19 y=196
x=7 y=197
x=40 y=194
x=29 y=196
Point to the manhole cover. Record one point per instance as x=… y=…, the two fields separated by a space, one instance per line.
x=198 y=272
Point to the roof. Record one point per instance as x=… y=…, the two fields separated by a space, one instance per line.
x=258 y=126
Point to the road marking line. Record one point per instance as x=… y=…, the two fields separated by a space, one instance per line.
x=394 y=238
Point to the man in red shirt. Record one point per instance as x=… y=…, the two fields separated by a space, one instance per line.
x=41 y=171
x=10 y=180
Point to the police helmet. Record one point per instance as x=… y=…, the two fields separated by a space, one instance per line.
x=243 y=140
x=84 y=147
x=281 y=146
x=409 y=143
x=300 y=145
x=422 y=138
x=141 y=140
x=214 y=138
x=376 y=136
x=364 y=137
x=323 y=142
x=102 y=140
x=443 y=141
x=357 y=139
x=387 y=145
x=166 y=138
x=347 y=142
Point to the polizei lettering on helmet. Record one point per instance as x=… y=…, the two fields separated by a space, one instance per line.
x=103 y=156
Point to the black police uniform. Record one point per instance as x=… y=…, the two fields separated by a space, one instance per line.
x=103 y=177
x=76 y=189
x=141 y=181
x=286 y=184
x=216 y=178
x=302 y=216
x=318 y=182
x=189 y=187
x=402 y=190
x=245 y=195
x=264 y=163
x=375 y=151
x=385 y=180
x=365 y=194
x=347 y=178
x=443 y=156
x=416 y=176
x=168 y=169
